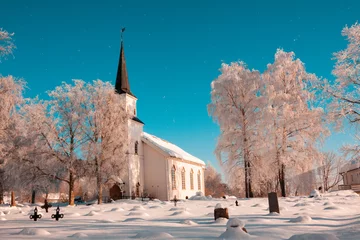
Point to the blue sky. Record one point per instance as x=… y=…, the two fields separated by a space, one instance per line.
x=173 y=51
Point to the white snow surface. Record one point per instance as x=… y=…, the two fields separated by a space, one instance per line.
x=309 y=222
x=171 y=150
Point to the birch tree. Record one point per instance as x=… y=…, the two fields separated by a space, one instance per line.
x=106 y=130
x=235 y=106
x=294 y=124
x=329 y=170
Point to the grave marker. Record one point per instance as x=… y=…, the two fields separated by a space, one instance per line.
x=35 y=216
x=57 y=216
x=273 y=202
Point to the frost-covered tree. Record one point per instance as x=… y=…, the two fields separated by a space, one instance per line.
x=105 y=128
x=6 y=44
x=344 y=92
x=213 y=182
x=56 y=127
x=294 y=124
x=10 y=98
x=236 y=107
x=329 y=170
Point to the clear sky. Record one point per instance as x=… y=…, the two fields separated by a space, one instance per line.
x=173 y=50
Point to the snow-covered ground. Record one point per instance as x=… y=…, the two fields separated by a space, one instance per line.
x=333 y=216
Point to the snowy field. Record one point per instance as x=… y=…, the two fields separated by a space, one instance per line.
x=333 y=216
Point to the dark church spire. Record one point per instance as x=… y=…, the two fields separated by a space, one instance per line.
x=122 y=82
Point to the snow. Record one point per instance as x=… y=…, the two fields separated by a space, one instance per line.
x=315 y=193
x=193 y=221
x=170 y=149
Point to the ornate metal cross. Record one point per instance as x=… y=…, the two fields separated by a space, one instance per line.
x=57 y=216
x=175 y=200
x=35 y=216
x=46 y=206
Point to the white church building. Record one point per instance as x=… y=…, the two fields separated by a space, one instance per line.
x=156 y=168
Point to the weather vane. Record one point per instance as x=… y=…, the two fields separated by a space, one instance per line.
x=122 y=30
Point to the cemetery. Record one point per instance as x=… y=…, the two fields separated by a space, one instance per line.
x=327 y=216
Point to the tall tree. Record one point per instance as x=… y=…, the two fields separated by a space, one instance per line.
x=329 y=170
x=235 y=106
x=213 y=182
x=294 y=124
x=6 y=44
x=106 y=129
x=10 y=98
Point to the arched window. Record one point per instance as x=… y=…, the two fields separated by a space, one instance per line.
x=183 y=184
x=173 y=177
x=136 y=147
x=192 y=179
x=199 y=180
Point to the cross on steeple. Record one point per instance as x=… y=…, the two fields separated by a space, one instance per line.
x=122 y=84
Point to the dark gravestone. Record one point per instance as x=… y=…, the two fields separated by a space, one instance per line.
x=175 y=200
x=236 y=203
x=46 y=206
x=273 y=202
x=221 y=213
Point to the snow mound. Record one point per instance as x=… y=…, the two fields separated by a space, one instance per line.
x=235 y=223
x=221 y=220
x=303 y=204
x=117 y=210
x=136 y=208
x=315 y=194
x=198 y=196
x=106 y=221
x=273 y=214
x=177 y=209
x=314 y=236
x=333 y=208
x=2 y=219
x=155 y=207
x=328 y=204
x=73 y=215
x=2 y=214
x=7 y=212
x=258 y=205
x=153 y=235
x=188 y=222
x=34 y=232
x=92 y=213
x=134 y=220
x=218 y=206
x=181 y=213
x=79 y=235
x=234 y=231
x=210 y=214
x=301 y=219
x=140 y=214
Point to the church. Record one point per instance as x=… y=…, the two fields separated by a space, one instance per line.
x=156 y=168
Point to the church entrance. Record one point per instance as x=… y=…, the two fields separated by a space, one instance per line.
x=138 y=189
x=115 y=192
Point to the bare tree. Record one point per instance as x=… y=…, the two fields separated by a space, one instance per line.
x=329 y=171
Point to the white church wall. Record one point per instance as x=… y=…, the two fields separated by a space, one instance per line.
x=155 y=177
x=187 y=192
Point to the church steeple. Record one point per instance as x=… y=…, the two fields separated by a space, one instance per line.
x=122 y=82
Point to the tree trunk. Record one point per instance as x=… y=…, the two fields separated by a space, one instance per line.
x=13 y=204
x=33 y=196
x=1 y=187
x=246 y=181
x=71 y=189
x=282 y=180
x=99 y=187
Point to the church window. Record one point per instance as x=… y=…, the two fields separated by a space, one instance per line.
x=199 y=180
x=183 y=179
x=136 y=147
x=192 y=179
x=173 y=177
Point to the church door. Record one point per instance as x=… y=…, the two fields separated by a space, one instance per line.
x=115 y=192
x=138 y=189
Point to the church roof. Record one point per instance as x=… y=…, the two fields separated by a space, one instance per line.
x=171 y=150
x=122 y=84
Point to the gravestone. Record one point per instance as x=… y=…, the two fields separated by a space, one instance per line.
x=35 y=216
x=220 y=212
x=236 y=203
x=273 y=202
x=57 y=216
x=46 y=206
x=175 y=200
